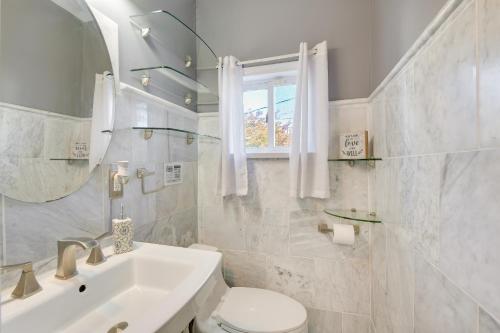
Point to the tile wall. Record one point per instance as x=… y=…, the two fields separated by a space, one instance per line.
x=30 y=231
x=435 y=264
x=270 y=240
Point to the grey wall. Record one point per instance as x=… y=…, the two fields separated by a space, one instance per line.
x=396 y=26
x=49 y=58
x=136 y=52
x=261 y=28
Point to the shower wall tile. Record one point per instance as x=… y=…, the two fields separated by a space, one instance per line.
x=489 y=72
x=439 y=305
x=321 y=321
x=445 y=88
x=487 y=324
x=400 y=281
x=469 y=225
x=435 y=260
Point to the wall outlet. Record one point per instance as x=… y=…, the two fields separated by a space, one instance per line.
x=173 y=173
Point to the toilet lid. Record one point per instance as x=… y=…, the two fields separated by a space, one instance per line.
x=260 y=311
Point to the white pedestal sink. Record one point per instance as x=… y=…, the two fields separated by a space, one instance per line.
x=154 y=288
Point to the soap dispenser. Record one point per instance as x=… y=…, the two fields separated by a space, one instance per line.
x=123 y=233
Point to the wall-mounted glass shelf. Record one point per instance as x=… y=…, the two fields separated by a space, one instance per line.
x=370 y=160
x=68 y=159
x=354 y=215
x=190 y=135
x=71 y=160
x=146 y=77
x=168 y=29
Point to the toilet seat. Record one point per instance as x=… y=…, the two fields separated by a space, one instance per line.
x=253 y=310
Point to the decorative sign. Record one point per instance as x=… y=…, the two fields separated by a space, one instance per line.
x=80 y=150
x=172 y=173
x=354 y=145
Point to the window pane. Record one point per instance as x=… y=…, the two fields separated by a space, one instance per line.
x=256 y=109
x=284 y=104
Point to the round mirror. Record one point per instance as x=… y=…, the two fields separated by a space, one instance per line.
x=56 y=98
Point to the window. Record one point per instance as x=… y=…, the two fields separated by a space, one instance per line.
x=268 y=106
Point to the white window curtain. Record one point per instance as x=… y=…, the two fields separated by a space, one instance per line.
x=233 y=178
x=309 y=174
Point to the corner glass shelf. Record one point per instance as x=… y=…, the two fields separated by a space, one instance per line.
x=71 y=161
x=360 y=216
x=154 y=24
x=370 y=160
x=190 y=135
x=172 y=74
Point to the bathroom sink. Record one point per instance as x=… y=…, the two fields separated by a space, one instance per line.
x=154 y=288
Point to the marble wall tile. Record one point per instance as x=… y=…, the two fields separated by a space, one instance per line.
x=267 y=239
x=355 y=324
x=306 y=241
x=380 y=308
x=487 y=324
x=420 y=201
x=221 y=226
x=292 y=276
x=439 y=305
x=348 y=186
x=268 y=224
x=377 y=116
x=245 y=269
x=469 y=226
x=179 y=229
x=445 y=90
x=2 y=238
x=32 y=230
x=400 y=281
x=342 y=285
x=399 y=98
x=321 y=321
x=378 y=255
x=22 y=133
x=489 y=72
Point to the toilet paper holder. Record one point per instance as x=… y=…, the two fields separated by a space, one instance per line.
x=323 y=228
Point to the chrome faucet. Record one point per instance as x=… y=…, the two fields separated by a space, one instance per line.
x=66 y=259
x=27 y=284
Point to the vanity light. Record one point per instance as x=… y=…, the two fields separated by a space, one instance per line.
x=118 y=177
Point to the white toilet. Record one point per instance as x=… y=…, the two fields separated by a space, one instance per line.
x=248 y=310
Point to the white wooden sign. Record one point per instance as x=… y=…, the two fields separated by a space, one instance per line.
x=354 y=145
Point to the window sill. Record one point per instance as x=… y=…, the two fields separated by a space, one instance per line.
x=269 y=155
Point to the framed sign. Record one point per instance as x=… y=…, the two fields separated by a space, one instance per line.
x=354 y=145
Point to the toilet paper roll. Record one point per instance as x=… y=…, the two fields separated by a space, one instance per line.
x=343 y=234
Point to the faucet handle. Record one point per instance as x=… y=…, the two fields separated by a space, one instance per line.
x=27 y=284
x=96 y=256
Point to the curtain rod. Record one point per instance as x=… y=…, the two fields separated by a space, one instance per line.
x=281 y=58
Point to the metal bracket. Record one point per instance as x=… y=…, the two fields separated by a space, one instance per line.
x=143 y=173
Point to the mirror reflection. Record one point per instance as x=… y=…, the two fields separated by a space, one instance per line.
x=56 y=98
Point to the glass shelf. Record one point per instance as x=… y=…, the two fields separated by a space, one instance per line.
x=370 y=160
x=172 y=74
x=154 y=24
x=361 y=216
x=148 y=133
